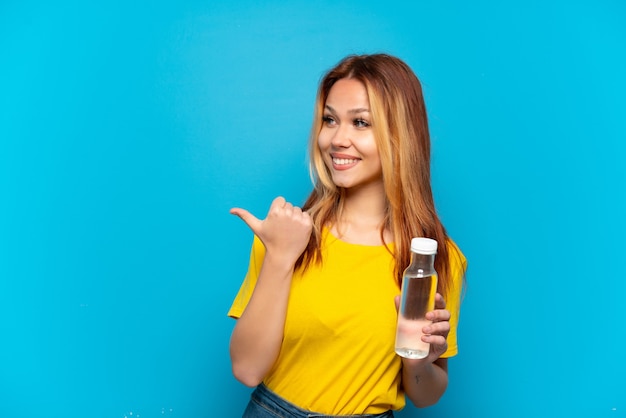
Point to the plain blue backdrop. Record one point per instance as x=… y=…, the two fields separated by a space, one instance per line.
x=129 y=129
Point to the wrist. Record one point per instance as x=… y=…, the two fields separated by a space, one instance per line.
x=422 y=366
x=278 y=263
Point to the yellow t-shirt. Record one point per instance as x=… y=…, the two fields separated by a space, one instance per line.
x=337 y=356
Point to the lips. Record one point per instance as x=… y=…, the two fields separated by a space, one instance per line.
x=343 y=162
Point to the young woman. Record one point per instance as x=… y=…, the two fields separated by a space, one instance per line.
x=317 y=310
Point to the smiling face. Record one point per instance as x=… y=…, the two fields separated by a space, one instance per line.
x=346 y=139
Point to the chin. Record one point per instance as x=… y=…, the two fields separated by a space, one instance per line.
x=343 y=184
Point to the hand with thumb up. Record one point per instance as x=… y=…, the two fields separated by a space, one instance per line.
x=285 y=231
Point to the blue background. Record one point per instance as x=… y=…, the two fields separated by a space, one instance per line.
x=128 y=130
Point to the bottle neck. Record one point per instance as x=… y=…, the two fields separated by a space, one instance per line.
x=424 y=262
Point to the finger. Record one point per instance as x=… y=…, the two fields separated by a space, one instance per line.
x=437 y=328
x=252 y=221
x=438 y=315
x=397 y=301
x=302 y=215
x=288 y=207
x=437 y=342
x=440 y=302
x=279 y=202
x=306 y=218
x=279 y=206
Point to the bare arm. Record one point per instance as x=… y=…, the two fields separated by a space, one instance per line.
x=425 y=384
x=426 y=380
x=258 y=333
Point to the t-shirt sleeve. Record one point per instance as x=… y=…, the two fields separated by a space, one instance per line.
x=458 y=265
x=257 y=253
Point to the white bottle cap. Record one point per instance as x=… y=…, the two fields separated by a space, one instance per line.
x=424 y=245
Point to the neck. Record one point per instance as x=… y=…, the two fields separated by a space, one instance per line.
x=365 y=203
x=363 y=216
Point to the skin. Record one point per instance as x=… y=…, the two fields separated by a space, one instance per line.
x=258 y=333
x=425 y=380
x=347 y=134
x=349 y=149
x=346 y=139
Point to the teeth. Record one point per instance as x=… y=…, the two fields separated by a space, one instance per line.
x=344 y=161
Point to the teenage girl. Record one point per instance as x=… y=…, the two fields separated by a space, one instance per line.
x=317 y=310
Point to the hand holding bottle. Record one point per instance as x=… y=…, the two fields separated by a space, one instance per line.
x=285 y=231
x=436 y=333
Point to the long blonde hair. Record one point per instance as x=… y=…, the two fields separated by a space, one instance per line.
x=400 y=128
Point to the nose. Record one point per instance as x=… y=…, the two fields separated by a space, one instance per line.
x=341 y=137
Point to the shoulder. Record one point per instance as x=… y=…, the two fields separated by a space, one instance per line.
x=457 y=264
x=456 y=258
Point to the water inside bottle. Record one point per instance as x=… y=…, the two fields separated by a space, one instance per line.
x=409 y=342
x=418 y=298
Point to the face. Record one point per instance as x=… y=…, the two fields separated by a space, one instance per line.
x=346 y=139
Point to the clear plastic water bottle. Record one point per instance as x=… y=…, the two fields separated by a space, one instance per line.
x=419 y=287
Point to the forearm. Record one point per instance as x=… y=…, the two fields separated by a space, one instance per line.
x=258 y=333
x=424 y=384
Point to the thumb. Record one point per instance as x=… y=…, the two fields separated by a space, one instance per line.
x=252 y=221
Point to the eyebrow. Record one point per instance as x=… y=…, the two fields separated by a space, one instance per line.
x=352 y=111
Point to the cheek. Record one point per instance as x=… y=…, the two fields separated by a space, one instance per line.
x=369 y=147
x=322 y=140
x=322 y=149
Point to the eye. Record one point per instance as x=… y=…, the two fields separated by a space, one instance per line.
x=328 y=120
x=361 y=123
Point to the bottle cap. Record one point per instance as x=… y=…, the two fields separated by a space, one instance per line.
x=422 y=245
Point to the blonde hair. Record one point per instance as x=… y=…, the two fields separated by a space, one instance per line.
x=400 y=128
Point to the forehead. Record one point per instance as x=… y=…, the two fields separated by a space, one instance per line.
x=348 y=94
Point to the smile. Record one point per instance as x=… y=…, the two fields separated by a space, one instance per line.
x=344 y=161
